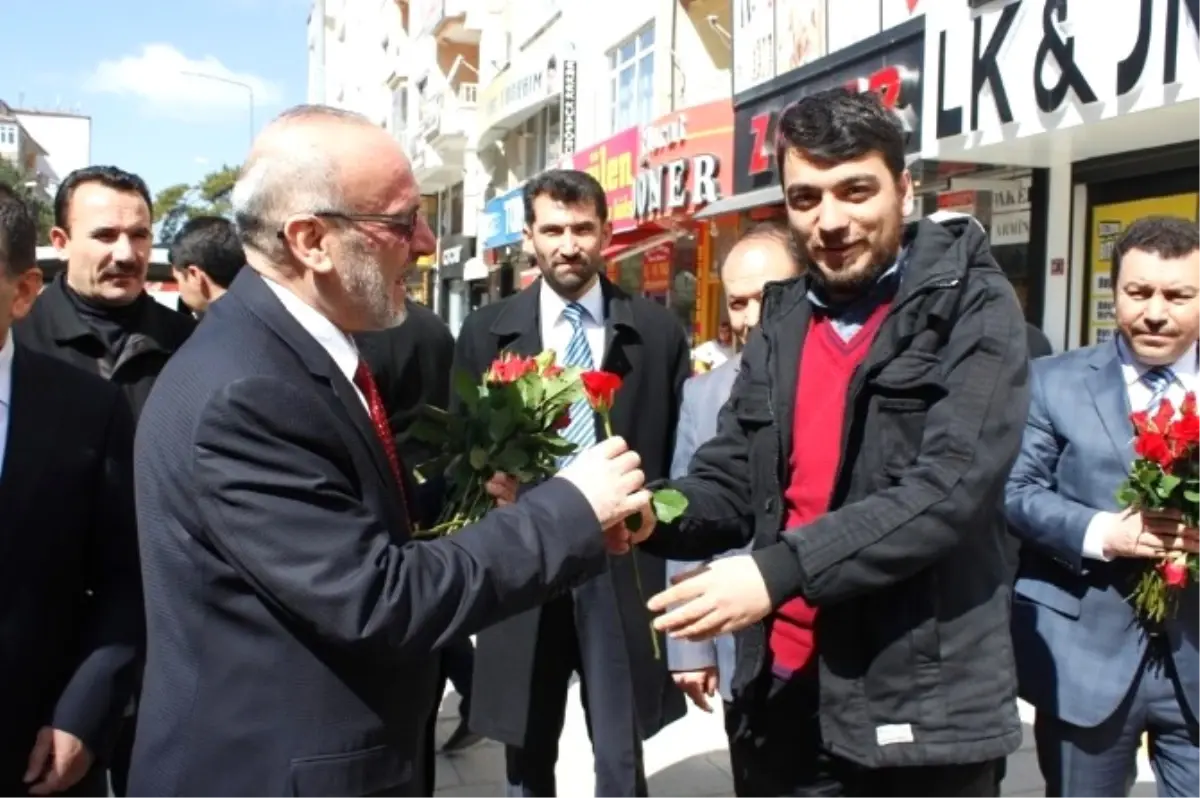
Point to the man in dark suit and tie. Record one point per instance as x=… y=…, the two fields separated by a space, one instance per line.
x=71 y=612
x=1098 y=675
x=764 y=254
x=601 y=629
x=291 y=619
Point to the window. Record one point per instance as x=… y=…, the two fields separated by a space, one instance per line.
x=631 y=66
x=8 y=135
x=400 y=109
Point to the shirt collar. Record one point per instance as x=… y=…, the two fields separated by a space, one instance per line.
x=553 y=305
x=339 y=345
x=1187 y=365
x=6 y=359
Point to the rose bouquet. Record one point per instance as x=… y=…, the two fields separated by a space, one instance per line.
x=508 y=424
x=1165 y=480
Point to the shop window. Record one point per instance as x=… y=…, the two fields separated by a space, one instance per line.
x=631 y=69
x=553 y=134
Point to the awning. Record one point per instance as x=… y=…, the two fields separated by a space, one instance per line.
x=770 y=195
x=632 y=242
x=474 y=269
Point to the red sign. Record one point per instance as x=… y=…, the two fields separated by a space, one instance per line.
x=613 y=162
x=656 y=269
x=687 y=160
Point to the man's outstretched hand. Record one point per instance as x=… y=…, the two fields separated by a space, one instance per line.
x=725 y=595
x=502 y=488
x=609 y=476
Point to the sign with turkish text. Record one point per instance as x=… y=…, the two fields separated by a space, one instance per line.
x=568 y=108
x=891 y=65
x=686 y=160
x=1001 y=73
x=502 y=220
x=613 y=162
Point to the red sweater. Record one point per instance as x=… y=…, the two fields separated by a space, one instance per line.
x=827 y=363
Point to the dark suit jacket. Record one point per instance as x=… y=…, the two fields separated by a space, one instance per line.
x=411 y=364
x=290 y=619
x=70 y=596
x=1076 y=637
x=646 y=346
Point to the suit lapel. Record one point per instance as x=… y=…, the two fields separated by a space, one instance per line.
x=1106 y=384
x=518 y=328
x=250 y=289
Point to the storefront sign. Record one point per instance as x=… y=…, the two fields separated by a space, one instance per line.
x=503 y=220
x=891 y=66
x=517 y=92
x=1037 y=65
x=612 y=162
x=685 y=161
x=656 y=269
x=568 y=109
x=455 y=251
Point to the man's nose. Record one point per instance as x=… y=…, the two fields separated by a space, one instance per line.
x=832 y=216
x=123 y=249
x=1155 y=313
x=423 y=240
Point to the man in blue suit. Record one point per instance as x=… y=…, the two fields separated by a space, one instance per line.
x=1099 y=676
x=765 y=254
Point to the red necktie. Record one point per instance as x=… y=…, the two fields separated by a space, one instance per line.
x=379 y=420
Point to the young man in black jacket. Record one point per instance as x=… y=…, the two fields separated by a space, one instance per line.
x=864 y=451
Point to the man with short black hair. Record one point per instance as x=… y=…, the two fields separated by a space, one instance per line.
x=1099 y=675
x=600 y=629
x=70 y=605
x=205 y=256
x=97 y=314
x=863 y=451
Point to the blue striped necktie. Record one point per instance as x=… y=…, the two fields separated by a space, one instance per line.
x=1159 y=380
x=582 y=429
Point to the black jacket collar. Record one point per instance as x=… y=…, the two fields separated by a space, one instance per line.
x=521 y=314
x=158 y=328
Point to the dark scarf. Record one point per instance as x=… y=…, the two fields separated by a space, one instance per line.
x=112 y=324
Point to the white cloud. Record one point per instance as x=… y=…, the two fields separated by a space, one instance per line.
x=158 y=77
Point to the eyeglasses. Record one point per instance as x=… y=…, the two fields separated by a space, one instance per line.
x=402 y=224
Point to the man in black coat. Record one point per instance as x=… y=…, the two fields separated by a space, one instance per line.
x=601 y=629
x=292 y=622
x=864 y=450
x=70 y=597
x=97 y=314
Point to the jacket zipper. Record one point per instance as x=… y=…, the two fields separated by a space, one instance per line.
x=855 y=382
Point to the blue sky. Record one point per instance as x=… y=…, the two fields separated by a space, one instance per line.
x=119 y=61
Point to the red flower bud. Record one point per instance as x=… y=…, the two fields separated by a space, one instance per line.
x=1153 y=446
x=1174 y=573
x=563 y=421
x=601 y=389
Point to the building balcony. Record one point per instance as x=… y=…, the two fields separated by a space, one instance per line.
x=448 y=117
x=458 y=21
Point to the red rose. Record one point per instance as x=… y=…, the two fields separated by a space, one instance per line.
x=552 y=371
x=601 y=388
x=1184 y=432
x=1188 y=408
x=510 y=368
x=1162 y=418
x=563 y=421
x=1153 y=446
x=1174 y=573
x=1141 y=421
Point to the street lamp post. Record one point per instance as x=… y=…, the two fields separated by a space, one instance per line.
x=249 y=90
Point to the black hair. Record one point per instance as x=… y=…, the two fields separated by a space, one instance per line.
x=568 y=186
x=1166 y=236
x=111 y=176
x=18 y=233
x=211 y=244
x=838 y=125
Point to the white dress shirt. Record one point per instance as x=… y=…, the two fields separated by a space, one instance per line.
x=556 y=330
x=339 y=345
x=6 y=359
x=1140 y=395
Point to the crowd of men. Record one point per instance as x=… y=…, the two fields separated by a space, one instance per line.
x=214 y=587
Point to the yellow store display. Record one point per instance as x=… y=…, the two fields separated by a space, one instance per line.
x=1108 y=222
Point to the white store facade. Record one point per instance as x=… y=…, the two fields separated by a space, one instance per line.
x=1092 y=117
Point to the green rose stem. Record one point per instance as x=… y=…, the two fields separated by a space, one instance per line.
x=637 y=572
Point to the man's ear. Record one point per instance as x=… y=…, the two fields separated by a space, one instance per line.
x=29 y=285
